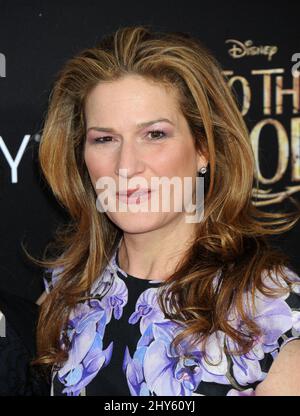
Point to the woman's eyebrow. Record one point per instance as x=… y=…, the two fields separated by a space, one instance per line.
x=139 y=125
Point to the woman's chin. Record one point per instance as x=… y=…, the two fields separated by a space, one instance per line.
x=137 y=222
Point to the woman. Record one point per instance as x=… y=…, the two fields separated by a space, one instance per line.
x=146 y=302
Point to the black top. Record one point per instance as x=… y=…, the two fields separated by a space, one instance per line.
x=120 y=345
x=17 y=348
x=110 y=380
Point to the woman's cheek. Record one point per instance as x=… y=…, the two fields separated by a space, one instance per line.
x=92 y=162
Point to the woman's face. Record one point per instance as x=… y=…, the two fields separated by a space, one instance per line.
x=121 y=134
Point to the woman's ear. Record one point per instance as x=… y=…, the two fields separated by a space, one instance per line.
x=202 y=160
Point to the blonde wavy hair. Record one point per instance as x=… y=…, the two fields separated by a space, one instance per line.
x=232 y=235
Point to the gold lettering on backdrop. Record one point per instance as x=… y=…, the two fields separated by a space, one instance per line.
x=267 y=90
x=295 y=148
x=246 y=92
x=280 y=92
x=239 y=49
x=283 y=149
x=276 y=93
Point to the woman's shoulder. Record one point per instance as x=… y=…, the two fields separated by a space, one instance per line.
x=282 y=284
x=276 y=310
x=279 y=318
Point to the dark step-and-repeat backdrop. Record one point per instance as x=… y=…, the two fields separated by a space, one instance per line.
x=257 y=44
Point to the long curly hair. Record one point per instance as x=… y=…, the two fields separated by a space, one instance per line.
x=232 y=235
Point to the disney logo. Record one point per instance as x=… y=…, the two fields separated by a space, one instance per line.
x=239 y=49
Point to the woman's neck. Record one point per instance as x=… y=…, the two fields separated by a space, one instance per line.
x=155 y=254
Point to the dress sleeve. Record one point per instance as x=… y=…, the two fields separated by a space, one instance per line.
x=279 y=317
x=293 y=302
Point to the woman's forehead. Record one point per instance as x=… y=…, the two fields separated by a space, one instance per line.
x=131 y=88
x=130 y=104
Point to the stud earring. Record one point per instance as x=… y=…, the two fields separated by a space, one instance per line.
x=203 y=170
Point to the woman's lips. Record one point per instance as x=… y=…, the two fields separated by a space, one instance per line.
x=134 y=196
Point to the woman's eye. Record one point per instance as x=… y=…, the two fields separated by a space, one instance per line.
x=157 y=133
x=102 y=140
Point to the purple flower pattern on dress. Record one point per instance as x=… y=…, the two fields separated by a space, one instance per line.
x=147 y=310
x=155 y=368
x=116 y=298
x=274 y=317
x=86 y=355
x=247 y=392
x=85 y=333
x=155 y=365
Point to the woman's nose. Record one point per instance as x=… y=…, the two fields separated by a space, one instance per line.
x=129 y=161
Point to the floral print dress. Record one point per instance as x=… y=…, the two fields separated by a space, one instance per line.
x=120 y=344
